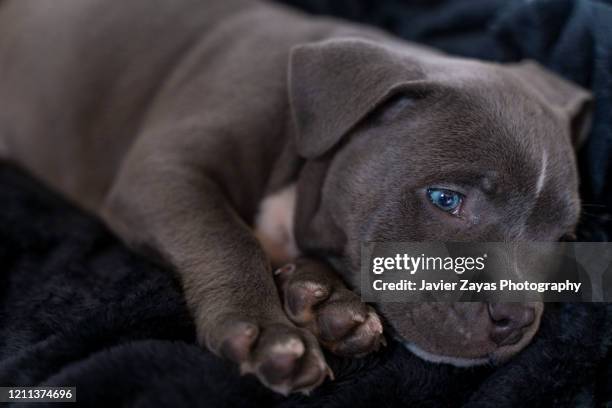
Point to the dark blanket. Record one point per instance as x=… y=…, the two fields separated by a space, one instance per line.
x=78 y=309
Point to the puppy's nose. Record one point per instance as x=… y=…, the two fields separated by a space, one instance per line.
x=509 y=319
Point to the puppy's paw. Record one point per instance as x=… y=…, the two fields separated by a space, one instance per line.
x=316 y=299
x=285 y=358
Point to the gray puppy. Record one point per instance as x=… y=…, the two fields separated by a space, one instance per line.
x=230 y=135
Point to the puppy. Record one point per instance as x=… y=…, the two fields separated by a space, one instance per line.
x=227 y=135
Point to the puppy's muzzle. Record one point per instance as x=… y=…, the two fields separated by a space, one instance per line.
x=464 y=334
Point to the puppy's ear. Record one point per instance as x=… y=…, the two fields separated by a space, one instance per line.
x=571 y=100
x=334 y=84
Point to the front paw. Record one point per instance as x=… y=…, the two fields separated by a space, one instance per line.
x=316 y=299
x=283 y=357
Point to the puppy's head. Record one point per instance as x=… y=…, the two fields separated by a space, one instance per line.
x=403 y=144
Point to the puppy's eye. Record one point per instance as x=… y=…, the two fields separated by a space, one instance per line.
x=447 y=200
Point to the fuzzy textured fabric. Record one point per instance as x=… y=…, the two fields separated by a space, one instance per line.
x=77 y=308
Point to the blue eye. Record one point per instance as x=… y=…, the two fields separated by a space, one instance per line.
x=446 y=200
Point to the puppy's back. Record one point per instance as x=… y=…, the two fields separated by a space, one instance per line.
x=77 y=77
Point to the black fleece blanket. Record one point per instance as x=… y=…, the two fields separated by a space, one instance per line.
x=77 y=308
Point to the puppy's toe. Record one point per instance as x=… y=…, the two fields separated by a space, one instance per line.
x=238 y=341
x=337 y=319
x=316 y=299
x=364 y=338
x=287 y=359
x=284 y=358
x=301 y=299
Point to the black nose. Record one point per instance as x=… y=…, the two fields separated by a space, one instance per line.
x=509 y=319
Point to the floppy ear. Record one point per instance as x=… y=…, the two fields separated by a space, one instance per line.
x=334 y=84
x=570 y=99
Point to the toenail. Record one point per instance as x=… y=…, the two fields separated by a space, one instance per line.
x=330 y=373
x=285 y=269
x=249 y=331
x=359 y=318
x=319 y=293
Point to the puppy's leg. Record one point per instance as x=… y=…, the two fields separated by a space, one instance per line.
x=315 y=298
x=163 y=201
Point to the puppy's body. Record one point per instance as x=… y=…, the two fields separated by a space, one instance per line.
x=174 y=121
x=83 y=68
x=170 y=121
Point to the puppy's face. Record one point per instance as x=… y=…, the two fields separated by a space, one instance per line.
x=445 y=150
